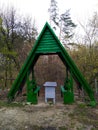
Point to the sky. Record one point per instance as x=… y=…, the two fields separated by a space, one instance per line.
x=80 y=10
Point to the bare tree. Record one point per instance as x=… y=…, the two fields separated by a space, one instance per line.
x=91 y=30
x=15 y=32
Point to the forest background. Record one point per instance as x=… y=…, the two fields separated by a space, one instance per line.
x=18 y=35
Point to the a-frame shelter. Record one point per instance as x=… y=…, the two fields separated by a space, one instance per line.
x=47 y=43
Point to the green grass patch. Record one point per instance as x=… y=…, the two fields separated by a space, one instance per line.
x=63 y=128
x=13 y=104
x=82 y=105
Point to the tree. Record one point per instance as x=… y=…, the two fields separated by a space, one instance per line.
x=66 y=26
x=54 y=15
x=90 y=40
x=14 y=34
x=63 y=22
x=91 y=30
x=88 y=64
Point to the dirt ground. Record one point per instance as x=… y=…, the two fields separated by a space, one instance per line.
x=77 y=116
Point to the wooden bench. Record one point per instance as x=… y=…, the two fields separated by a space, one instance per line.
x=63 y=89
x=68 y=97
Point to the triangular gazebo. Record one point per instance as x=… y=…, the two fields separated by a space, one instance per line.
x=47 y=43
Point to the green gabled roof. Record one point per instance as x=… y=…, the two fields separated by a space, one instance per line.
x=47 y=43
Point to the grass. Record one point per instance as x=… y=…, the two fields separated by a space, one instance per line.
x=82 y=105
x=85 y=115
x=13 y=104
x=63 y=128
